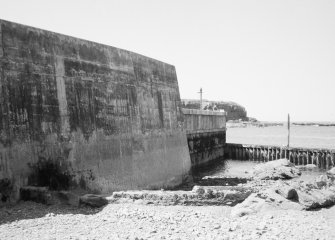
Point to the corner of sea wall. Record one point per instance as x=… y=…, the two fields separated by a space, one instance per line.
x=107 y=119
x=206 y=135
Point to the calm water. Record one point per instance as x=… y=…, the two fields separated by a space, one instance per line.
x=243 y=169
x=223 y=169
x=301 y=136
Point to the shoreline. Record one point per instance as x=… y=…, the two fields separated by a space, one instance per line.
x=243 y=124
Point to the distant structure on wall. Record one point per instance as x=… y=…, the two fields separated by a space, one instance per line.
x=234 y=111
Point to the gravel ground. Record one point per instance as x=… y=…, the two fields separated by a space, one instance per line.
x=29 y=220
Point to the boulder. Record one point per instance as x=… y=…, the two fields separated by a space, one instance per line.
x=316 y=198
x=250 y=205
x=299 y=195
x=274 y=170
x=93 y=200
x=312 y=194
x=321 y=181
x=331 y=171
x=287 y=192
x=331 y=174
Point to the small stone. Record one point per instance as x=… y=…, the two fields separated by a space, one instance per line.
x=217 y=226
x=199 y=190
x=261 y=226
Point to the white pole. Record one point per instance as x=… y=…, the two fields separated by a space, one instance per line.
x=288 y=130
x=200 y=98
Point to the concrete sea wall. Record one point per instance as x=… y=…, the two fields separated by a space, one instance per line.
x=206 y=135
x=78 y=114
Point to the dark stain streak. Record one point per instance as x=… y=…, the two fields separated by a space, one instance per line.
x=160 y=108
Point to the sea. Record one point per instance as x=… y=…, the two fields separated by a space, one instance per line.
x=300 y=136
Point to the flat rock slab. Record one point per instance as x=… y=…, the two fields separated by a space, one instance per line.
x=36 y=194
x=45 y=196
x=93 y=200
x=296 y=195
x=200 y=195
x=307 y=166
x=317 y=198
x=274 y=170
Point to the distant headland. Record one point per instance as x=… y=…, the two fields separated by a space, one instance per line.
x=237 y=114
x=234 y=110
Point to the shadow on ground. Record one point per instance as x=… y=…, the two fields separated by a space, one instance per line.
x=31 y=210
x=196 y=175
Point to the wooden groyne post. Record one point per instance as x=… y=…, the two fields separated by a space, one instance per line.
x=323 y=158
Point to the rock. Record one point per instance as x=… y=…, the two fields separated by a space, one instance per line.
x=288 y=192
x=261 y=226
x=250 y=205
x=93 y=200
x=50 y=215
x=68 y=198
x=276 y=163
x=321 y=181
x=240 y=212
x=217 y=226
x=199 y=190
x=307 y=167
x=36 y=194
x=200 y=195
x=274 y=170
x=316 y=198
x=331 y=171
x=331 y=174
x=45 y=196
x=310 y=166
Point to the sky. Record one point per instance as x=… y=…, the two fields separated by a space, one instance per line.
x=272 y=57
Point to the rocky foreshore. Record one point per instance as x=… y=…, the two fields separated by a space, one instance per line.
x=274 y=184
x=272 y=204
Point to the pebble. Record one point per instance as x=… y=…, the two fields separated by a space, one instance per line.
x=217 y=226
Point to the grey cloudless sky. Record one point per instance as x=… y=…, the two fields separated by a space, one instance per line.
x=273 y=57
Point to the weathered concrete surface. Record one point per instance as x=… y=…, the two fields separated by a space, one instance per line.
x=206 y=135
x=203 y=121
x=103 y=118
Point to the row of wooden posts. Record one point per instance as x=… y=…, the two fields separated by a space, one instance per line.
x=323 y=158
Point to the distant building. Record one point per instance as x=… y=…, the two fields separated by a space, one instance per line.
x=234 y=110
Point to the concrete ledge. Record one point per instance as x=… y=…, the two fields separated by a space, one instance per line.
x=216 y=130
x=202 y=112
